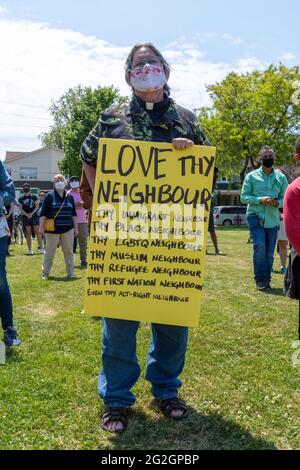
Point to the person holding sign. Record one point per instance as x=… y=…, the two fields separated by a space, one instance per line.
x=151 y=115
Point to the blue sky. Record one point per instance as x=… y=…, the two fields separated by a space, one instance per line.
x=48 y=46
x=266 y=28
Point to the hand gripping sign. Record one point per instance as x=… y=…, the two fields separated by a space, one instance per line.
x=148 y=232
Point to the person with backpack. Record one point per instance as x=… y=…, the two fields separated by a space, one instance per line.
x=29 y=207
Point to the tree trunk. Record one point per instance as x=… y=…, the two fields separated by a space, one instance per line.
x=243 y=172
x=249 y=159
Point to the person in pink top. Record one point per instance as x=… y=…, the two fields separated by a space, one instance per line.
x=81 y=219
x=291 y=212
x=291 y=208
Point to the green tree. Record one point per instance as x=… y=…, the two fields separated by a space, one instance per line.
x=74 y=115
x=252 y=110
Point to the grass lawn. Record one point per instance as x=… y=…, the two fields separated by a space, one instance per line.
x=239 y=378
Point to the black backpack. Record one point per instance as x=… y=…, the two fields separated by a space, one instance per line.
x=292 y=280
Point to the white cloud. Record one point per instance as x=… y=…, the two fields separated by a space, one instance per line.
x=287 y=57
x=38 y=64
x=3 y=10
x=204 y=38
x=250 y=63
x=235 y=40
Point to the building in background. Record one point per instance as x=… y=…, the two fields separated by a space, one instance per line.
x=37 y=168
x=228 y=192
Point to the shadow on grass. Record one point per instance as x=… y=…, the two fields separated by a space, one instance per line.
x=12 y=355
x=217 y=256
x=227 y=228
x=277 y=291
x=62 y=279
x=197 y=432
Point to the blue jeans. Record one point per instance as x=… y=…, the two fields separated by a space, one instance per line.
x=5 y=297
x=120 y=367
x=264 y=242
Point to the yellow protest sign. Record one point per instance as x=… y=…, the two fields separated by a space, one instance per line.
x=148 y=234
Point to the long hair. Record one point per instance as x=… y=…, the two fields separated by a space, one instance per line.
x=129 y=60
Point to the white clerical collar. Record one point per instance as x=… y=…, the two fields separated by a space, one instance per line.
x=149 y=106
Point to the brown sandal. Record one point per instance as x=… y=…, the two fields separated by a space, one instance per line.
x=171 y=404
x=114 y=414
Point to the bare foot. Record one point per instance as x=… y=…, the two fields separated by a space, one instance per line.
x=114 y=420
x=177 y=413
x=115 y=426
x=173 y=408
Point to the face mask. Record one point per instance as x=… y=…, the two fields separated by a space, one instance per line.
x=60 y=186
x=268 y=162
x=74 y=184
x=27 y=190
x=150 y=77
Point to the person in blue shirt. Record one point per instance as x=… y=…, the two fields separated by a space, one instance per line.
x=263 y=190
x=59 y=206
x=7 y=196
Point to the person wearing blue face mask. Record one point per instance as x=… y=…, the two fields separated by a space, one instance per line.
x=263 y=190
x=7 y=196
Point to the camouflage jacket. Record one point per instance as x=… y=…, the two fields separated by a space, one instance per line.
x=132 y=121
